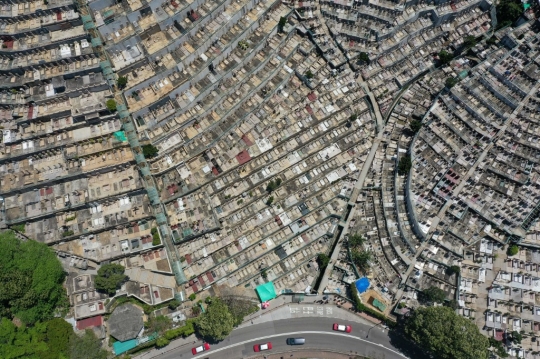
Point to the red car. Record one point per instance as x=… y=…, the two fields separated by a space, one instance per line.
x=201 y=349
x=261 y=347
x=342 y=328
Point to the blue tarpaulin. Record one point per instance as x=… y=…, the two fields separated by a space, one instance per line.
x=362 y=284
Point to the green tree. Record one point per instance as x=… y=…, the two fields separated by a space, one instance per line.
x=508 y=11
x=416 y=125
x=58 y=334
x=469 y=41
x=110 y=277
x=21 y=342
x=239 y=308
x=363 y=57
x=111 y=105
x=512 y=250
x=282 y=23
x=270 y=200
x=150 y=151
x=453 y=270
x=192 y=296
x=86 y=347
x=31 y=279
x=356 y=240
x=516 y=337
x=451 y=82
x=121 y=82
x=404 y=165
x=445 y=334
x=445 y=57
x=309 y=74
x=158 y=324
x=361 y=259
x=216 y=323
x=434 y=295
x=498 y=348
x=323 y=260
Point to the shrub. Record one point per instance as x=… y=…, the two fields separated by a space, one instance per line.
x=121 y=82
x=184 y=331
x=451 y=82
x=111 y=105
x=445 y=57
x=149 y=151
x=404 y=165
x=192 y=296
x=513 y=250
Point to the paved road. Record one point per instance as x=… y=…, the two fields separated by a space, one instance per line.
x=316 y=330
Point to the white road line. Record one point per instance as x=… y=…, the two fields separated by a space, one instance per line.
x=212 y=351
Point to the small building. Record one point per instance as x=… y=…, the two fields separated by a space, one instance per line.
x=126 y=322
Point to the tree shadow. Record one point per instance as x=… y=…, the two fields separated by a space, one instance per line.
x=405 y=346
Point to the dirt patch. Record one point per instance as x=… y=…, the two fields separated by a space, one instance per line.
x=163 y=265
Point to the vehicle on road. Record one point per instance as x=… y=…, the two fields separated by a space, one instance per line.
x=201 y=348
x=296 y=341
x=342 y=328
x=261 y=347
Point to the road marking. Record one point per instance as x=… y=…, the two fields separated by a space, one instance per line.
x=265 y=338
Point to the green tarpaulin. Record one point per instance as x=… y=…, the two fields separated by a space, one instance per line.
x=120 y=136
x=266 y=291
x=122 y=347
x=379 y=305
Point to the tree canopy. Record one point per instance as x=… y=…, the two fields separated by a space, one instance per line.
x=445 y=334
x=445 y=57
x=150 y=151
x=31 y=279
x=239 y=308
x=416 y=125
x=512 y=250
x=356 y=240
x=217 y=322
x=361 y=259
x=434 y=295
x=110 y=277
x=86 y=347
x=158 y=324
x=111 y=105
x=53 y=339
x=404 y=165
x=122 y=82
x=508 y=11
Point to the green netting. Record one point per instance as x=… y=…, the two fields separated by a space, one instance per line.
x=120 y=136
x=96 y=41
x=122 y=347
x=108 y=13
x=89 y=25
x=266 y=291
x=379 y=305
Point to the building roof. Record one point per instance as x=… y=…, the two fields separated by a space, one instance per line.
x=90 y=322
x=125 y=322
x=266 y=291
